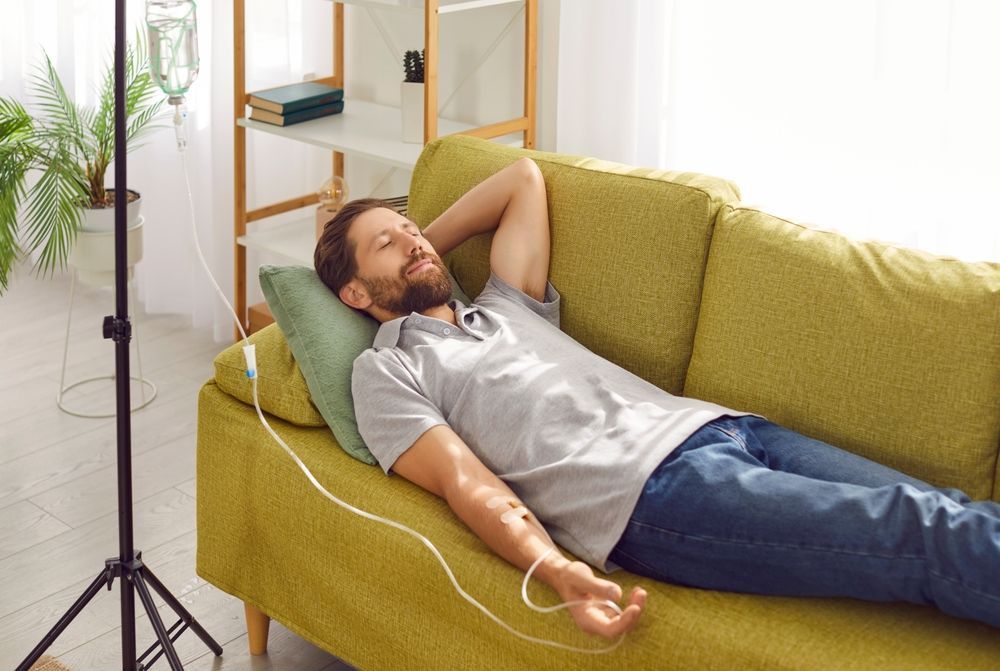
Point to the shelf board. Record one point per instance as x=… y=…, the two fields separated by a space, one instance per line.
x=294 y=240
x=367 y=129
x=444 y=6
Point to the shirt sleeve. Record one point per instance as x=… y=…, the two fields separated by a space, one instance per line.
x=391 y=410
x=498 y=289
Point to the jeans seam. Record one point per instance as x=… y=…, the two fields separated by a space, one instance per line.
x=964 y=585
x=810 y=548
x=635 y=559
x=735 y=436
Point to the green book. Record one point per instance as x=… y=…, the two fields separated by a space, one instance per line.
x=295 y=97
x=258 y=114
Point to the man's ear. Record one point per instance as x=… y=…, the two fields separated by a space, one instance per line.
x=353 y=293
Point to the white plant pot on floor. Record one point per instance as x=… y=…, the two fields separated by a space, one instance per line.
x=93 y=253
x=104 y=219
x=412 y=110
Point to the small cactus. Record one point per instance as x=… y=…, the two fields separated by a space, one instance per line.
x=413 y=65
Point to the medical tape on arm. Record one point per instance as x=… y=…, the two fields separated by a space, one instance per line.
x=517 y=510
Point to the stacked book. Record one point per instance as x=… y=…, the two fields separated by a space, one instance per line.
x=295 y=103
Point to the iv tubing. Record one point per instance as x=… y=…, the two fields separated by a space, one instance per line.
x=248 y=352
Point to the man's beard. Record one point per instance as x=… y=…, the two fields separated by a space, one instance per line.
x=427 y=289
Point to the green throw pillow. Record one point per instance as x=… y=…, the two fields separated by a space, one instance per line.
x=325 y=337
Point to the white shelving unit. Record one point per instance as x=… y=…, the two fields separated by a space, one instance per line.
x=365 y=129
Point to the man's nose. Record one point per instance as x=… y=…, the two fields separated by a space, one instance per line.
x=411 y=245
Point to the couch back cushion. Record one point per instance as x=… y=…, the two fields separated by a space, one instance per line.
x=628 y=252
x=888 y=352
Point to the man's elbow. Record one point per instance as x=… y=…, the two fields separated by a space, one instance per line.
x=529 y=168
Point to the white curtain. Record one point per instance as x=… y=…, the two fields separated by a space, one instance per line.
x=79 y=36
x=876 y=118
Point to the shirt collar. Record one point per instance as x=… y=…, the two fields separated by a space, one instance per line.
x=389 y=332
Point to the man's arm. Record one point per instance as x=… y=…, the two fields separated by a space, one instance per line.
x=512 y=202
x=441 y=462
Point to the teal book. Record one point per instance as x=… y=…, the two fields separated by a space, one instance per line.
x=295 y=97
x=258 y=114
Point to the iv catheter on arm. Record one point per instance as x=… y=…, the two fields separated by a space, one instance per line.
x=173 y=53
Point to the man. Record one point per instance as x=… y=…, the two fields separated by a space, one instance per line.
x=492 y=402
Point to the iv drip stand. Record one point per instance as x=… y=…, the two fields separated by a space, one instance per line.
x=128 y=564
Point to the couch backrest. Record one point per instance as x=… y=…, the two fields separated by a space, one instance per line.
x=629 y=246
x=889 y=352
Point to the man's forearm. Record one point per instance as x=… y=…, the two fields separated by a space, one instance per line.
x=477 y=211
x=520 y=541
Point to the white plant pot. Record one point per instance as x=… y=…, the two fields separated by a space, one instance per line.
x=93 y=254
x=104 y=219
x=412 y=109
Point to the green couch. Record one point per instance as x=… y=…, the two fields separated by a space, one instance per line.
x=887 y=352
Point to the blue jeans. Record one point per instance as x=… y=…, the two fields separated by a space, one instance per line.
x=745 y=505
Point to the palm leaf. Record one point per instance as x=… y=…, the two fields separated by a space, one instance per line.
x=17 y=155
x=15 y=161
x=15 y=122
x=103 y=127
x=140 y=91
x=62 y=116
x=54 y=212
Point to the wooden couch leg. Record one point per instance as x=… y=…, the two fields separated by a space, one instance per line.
x=257 y=626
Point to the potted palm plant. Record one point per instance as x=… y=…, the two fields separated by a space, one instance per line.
x=70 y=146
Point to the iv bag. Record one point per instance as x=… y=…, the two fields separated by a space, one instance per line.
x=173 y=44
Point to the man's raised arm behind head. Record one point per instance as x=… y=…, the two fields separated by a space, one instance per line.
x=512 y=202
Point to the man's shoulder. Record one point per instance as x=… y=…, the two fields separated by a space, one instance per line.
x=378 y=360
x=501 y=295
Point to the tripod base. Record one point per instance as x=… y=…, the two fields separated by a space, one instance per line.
x=137 y=575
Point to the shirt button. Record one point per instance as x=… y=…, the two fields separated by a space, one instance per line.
x=416 y=320
x=447 y=331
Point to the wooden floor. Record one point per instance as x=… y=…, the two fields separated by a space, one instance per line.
x=58 y=485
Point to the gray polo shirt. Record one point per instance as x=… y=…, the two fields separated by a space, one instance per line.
x=572 y=434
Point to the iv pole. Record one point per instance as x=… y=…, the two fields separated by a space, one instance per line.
x=128 y=564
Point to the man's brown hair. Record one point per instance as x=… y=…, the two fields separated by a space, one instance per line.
x=334 y=258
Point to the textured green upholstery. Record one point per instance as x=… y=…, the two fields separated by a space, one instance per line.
x=888 y=352
x=281 y=388
x=630 y=247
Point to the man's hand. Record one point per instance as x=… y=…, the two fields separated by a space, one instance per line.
x=576 y=582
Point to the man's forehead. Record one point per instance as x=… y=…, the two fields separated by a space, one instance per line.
x=367 y=224
x=371 y=222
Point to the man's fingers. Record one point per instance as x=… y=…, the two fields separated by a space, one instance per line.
x=622 y=623
x=609 y=626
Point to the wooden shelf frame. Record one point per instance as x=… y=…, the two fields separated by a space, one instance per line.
x=525 y=124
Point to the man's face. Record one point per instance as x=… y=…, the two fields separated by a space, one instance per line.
x=397 y=266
